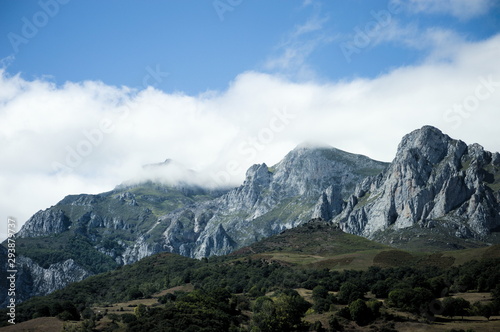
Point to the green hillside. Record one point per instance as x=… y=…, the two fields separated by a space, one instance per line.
x=315 y=244
x=314 y=273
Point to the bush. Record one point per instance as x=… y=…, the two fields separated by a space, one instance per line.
x=349 y=292
x=317 y=326
x=374 y=306
x=322 y=299
x=283 y=314
x=381 y=289
x=344 y=313
x=360 y=313
x=335 y=325
x=128 y=318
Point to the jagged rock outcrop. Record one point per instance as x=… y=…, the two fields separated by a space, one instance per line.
x=214 y=244
x=46 y=280
x=329 y=204
x=34 y=280
x=433 y=179
x=48 y=222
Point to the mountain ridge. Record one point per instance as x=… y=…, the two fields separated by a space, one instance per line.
x=432 y=184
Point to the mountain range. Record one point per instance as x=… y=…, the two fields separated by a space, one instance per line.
x=438 y=193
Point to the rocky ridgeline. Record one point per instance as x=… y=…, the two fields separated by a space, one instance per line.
x=433 y=180
x=271 y=199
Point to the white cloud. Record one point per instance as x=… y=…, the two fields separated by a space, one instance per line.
x=461 y=9
x=439 y=43
x=259 y=118
x=292 y=53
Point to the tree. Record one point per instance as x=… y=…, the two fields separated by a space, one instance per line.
x=140 y=310
x=69 y=311
x=283 y=314
x=413 y=300
x=264 y=314
x=348 y=293
x=439 y=286
x=290 y=309
x=322 y=299
x=374 y=306
x=485 y=310
x=114 y=317
x=87 y=313
x=255 y=292
x=128 y=318
x=42 y=311
x=455 y=306
x=400 y=298
x=319 y=292
x=496 y=294
x=381 y=288
x=360 y=313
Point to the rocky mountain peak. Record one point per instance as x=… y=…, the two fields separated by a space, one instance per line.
x=258 y=174
x=310 y=168
x=433 y=180
x=428 y=143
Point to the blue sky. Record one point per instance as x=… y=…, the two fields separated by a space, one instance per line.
x=92 y=90
x=204 y=45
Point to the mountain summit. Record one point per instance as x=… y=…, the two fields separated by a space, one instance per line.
x=433 y=182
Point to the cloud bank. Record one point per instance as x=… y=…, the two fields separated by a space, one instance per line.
x=88 y=137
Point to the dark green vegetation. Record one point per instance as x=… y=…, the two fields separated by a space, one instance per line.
x=49 y=250
x=249 y=291
x=211 y=311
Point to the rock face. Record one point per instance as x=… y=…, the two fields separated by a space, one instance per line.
x=433 y=180
x=33 y=280
x=41 y=281
x=270 y=199
x=48 y=222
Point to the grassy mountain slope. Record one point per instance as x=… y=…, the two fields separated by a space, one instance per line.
x=316 y=244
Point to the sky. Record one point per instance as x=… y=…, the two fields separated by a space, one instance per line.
x=90 y=91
